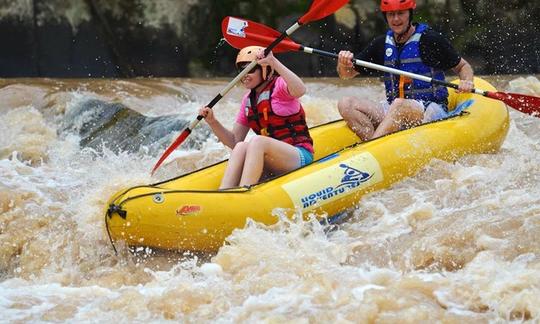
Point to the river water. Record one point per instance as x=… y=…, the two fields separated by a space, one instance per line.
x=456 y=243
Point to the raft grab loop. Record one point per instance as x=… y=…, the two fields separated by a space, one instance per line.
x=116 y=209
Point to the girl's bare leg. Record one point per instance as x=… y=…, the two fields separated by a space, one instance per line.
x=232 y=175
x=277 y=156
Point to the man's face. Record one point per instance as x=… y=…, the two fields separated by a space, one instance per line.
x=398 y=20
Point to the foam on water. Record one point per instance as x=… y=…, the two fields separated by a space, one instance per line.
x=455 y=243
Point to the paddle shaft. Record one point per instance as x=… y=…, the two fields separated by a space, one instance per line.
x=383 y=68
x=524 y=103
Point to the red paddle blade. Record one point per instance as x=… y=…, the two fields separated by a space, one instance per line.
x=320 y=9
x=524 y=103
x=171 y=148
x=240 y=33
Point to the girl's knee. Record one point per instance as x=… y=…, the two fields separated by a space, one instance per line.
x=258 y=141
x=240 y=148
x=240 y=145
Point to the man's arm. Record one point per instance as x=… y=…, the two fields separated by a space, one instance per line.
x=465 y=72
x=437 y=52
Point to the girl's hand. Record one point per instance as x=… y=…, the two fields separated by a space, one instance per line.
x=270 y=59
x=207 y=114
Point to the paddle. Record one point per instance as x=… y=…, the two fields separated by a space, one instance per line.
x=259 y=34
x=234 y=26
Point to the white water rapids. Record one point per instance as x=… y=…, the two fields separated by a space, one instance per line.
x=457 y=243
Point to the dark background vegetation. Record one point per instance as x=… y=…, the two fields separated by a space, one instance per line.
x=167 y=38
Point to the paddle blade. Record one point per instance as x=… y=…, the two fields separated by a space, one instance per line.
x=524 y=103
x=240 y=33
x=320 y=9
x=179 y=140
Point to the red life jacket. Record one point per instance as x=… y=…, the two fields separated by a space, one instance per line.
x=291 y=129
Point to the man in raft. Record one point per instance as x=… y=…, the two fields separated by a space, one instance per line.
x=411 y=47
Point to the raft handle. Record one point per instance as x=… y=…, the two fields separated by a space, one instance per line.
x=116 y=209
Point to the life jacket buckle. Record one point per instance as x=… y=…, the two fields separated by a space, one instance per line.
x=403 y=80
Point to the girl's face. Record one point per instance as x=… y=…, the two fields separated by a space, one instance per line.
x=253 y=78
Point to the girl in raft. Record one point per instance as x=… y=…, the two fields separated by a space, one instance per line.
x=272 y=110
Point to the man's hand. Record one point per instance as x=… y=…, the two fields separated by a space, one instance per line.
x=345 y=66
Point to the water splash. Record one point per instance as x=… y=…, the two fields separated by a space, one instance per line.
x=455 y=243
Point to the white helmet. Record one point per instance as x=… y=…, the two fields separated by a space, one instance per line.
x=249 y=54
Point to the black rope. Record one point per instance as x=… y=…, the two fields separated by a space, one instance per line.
x=109 y=234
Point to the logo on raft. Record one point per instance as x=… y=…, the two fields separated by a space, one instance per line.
x=352 y=178
x=188 y=210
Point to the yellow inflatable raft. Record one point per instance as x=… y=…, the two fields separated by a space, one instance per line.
x=188 y=213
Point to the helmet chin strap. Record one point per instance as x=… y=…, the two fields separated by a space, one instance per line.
x=260 y=83
x=265 y=78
